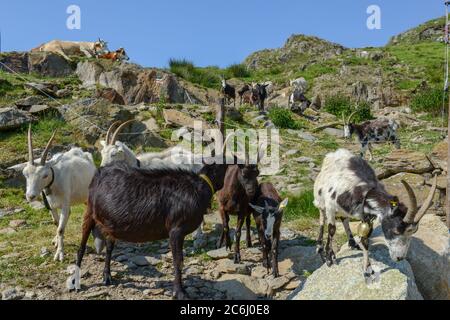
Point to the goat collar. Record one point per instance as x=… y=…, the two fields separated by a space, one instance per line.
x=208 y=181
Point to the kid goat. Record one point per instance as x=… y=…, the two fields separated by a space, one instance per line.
x=374 y=131
x=63 y=182
x=147 y=205
x=348 y=187
x=268 y=213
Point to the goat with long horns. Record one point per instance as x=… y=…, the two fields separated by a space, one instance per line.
x=348 y=188
x=63 y=182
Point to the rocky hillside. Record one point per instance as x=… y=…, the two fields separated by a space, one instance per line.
x=83 y=97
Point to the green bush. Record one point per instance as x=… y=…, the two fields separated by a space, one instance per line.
x=429 y=100
x=5 y=86
x=283 y=119
x=206 y=77
x=237 y=71
x=340 y=105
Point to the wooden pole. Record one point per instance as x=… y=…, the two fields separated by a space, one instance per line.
x=448 y=168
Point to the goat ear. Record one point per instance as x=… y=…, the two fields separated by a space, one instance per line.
x=283 y=204
x=257 y=208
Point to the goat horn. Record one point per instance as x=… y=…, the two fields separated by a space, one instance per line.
x=412 y=210
x=226 y=141
x=108 y=134
x=47 y=148
x=352 y=115
x=429 y=200
x=30 y=146
x=120 y=128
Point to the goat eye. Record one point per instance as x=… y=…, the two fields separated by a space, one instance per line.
x=46 y=176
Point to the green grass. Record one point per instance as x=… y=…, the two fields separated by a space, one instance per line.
x=341 y=105
x=301 y=207
x=430 y=100
x=14 y=143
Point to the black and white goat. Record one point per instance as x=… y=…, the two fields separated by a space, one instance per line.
x=347 y=187
x=63 y=182
x=148 y=205
x=268 y=213
x=373 y=131
x=298 y=102
x=228 y=91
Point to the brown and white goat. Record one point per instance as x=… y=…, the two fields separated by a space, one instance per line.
x=373 y=131
x=347 y=187
x=244 y=94
x=268 y=213
x=118 y=55
x=147 y=205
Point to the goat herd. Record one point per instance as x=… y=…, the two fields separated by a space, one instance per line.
x=152 y=197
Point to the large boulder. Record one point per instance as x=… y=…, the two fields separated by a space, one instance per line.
x=345 y=280
x=46 y=64
x=93 y=117
x=12 y=118
x=134 y=83
x=402 y=160
x=429 y=258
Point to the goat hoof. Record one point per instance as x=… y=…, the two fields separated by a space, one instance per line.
x=107 y=280
x=276 y=274
x=180 y=295
x=237 y=258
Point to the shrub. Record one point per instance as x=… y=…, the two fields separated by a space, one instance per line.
x=429 y=100
x=340 y=105
x=283 y=118
x=207 y=77
x=237 y=71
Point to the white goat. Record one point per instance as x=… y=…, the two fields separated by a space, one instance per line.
x=64 y=181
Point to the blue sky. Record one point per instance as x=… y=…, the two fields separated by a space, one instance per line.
x=208 y=32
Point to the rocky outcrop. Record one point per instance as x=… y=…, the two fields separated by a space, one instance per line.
x=12 y=118
x=403 y=160
x=429 y=257
x=93 y=117
x=46 y=64
x=134 y=83
x=345 y=281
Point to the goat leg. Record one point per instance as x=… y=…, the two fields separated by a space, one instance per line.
x=351 y=241
x=330 y=256
x=107 y=279
x=59 y=255
x=319 y=248
x=176 y=244
x=369 y=274
x=249 y=231
x=237 y=252
x=276 y=239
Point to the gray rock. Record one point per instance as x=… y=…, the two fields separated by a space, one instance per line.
x=345 y=280
x=12 y=294
x=29 y=101
x=143 y=261
x=39 y=109
x=334 y=132
x=221 y=253
x=122 y=258
x=304 y=160
x=241 y=287
x=228 y=266
x=306 y=136
x=429 y=258
x=36 y=205
x=12 y=118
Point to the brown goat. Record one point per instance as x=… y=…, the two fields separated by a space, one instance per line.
x=268 y=213
x=239 y=188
